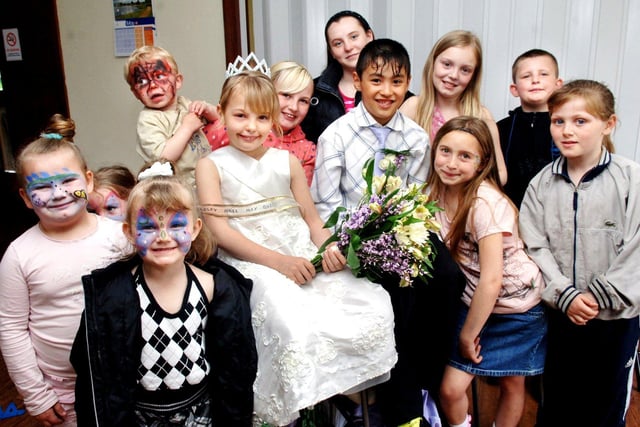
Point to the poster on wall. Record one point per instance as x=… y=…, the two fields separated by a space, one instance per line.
x=134 y=25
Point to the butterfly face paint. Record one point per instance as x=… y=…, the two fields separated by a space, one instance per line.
x=162 y=232
x=61 y=192
x=107 y=203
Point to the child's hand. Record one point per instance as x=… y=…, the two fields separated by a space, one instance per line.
x=583 y=308
x=471 y=349
x=298 y=269
x=204 y=110
x=197 y=107
x=332 y=259
x=53 y=416
x=192 y=122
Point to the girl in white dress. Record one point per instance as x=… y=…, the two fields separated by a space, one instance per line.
x=317 y=334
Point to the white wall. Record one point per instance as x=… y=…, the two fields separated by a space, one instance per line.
x=100 y=101
x=595 y=39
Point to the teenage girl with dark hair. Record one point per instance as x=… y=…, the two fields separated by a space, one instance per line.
x=346 y=33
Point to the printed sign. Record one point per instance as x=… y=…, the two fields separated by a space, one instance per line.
x=12 y=49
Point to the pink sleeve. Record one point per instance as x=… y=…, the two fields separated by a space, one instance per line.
x=17 y=349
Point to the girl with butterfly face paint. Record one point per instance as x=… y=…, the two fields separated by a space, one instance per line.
x=41 y=294
x=166 y=337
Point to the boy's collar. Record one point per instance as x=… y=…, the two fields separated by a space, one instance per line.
x=365 y=119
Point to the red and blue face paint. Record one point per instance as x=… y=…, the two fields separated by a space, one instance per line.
x=155 y=84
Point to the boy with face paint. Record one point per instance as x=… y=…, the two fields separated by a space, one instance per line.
x=170 y=126
x=41 y=296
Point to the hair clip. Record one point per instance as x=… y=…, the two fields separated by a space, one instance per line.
x=50 y=135
x=250 y=63
x=156 y=169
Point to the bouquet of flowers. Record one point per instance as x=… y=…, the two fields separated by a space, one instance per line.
x=388 y=232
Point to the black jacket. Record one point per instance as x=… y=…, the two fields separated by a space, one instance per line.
x=527 y=147
x=106 y=351
x=326 y=103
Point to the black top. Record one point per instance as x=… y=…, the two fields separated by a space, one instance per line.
x=326 y=103
x=527 y=147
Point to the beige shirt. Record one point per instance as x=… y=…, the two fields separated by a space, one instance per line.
x=155 y=127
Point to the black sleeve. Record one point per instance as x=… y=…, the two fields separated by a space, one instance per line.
x=80 y=360
x=106 y=350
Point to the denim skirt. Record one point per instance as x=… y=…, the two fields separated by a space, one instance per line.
x=512 y=344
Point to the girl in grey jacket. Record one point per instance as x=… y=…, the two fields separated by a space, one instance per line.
x=580 y=220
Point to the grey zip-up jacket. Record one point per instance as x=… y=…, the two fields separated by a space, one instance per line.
x=587 y=236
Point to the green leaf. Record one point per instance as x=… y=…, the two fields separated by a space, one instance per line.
x=335 y=216
x=412 y=220
x=367 y=174
x=352 y=258
x=398 y=217
x=432 y=206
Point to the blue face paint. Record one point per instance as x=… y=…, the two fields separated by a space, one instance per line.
x=178 y=230
x=114 y=207
x=44 y=189
x=150 y=228
x=146 y=232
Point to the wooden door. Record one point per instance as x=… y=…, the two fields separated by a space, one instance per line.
x=34 y=87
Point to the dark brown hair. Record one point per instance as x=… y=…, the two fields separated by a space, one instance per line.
x=532 y=53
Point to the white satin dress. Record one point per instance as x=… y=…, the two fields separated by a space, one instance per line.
x=330 y=336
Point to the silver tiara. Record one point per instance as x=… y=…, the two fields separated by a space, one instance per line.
x=250 y=63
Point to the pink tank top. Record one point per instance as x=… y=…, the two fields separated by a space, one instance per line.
x=436 y=122
x=349 y=103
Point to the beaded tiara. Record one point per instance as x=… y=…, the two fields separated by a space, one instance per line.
x=250 y=63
